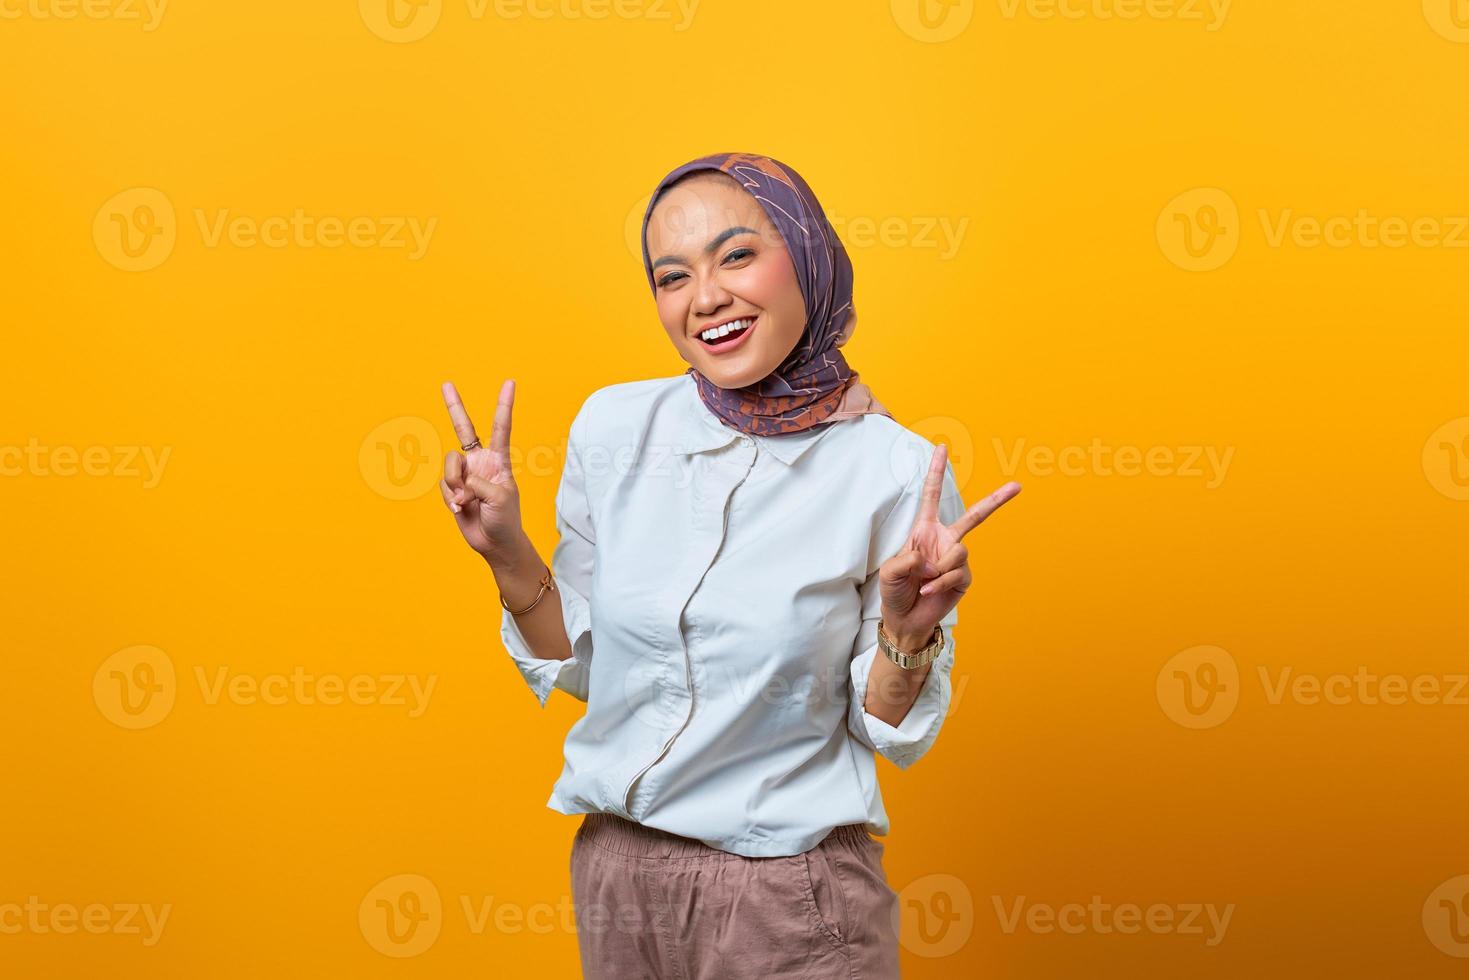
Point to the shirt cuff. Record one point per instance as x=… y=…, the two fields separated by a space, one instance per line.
x=544 y=674
x=906 y=743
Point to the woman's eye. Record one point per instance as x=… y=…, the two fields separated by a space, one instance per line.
x=674 y=277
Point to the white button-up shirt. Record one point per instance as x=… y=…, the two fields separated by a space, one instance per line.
x=720 y=591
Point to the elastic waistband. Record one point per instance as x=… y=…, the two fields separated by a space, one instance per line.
x=633 y=839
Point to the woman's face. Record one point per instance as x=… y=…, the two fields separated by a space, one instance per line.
x=718 y=258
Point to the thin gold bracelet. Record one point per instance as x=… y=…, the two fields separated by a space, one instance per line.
x=547 y=582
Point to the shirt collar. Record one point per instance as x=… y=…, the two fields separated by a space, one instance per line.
x=703 y=431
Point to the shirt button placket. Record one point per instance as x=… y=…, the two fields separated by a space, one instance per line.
x=715 y=484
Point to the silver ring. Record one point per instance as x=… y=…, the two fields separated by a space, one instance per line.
x=472 y=445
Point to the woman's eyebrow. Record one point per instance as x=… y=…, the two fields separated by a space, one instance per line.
x=714 y=243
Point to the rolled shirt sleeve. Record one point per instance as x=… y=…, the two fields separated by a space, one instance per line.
x=572 y=562
x=906 y=743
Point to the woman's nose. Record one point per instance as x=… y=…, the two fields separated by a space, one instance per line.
x=710 y=296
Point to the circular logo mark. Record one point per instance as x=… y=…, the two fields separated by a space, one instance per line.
x=136 y=229
x=1446 y=917
x=401 y=21
x=402 y=458
x=679 y=222
x=1449 y=18
x=633 y=227
x=1199 y=230
x=935 y=916
x=135 y=688
x=1199 y=687
x=909 y=455
x=1446 y=459
x=650 y=700
x=955 y=434
x=933 y=21
x=401 y=916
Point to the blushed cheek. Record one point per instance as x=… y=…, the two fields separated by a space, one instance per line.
x=767 y=283
x=775 y=290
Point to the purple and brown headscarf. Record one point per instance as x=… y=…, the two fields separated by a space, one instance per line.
x=813 y=385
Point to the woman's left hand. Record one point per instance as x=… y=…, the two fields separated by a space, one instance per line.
x=926 y=579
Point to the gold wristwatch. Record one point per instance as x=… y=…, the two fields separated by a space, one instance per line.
x=910 y=661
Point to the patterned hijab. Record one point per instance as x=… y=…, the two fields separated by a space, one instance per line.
x=814 y=385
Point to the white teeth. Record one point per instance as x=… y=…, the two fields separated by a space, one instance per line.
x=717 y=332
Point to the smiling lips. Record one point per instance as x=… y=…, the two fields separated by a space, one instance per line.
x=727 y=336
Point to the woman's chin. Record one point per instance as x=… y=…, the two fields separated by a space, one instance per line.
x=727 y=377
x=732 y=370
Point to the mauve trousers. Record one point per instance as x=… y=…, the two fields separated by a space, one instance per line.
x=651 y=905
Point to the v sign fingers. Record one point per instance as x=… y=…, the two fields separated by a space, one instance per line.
x=920 y=593
x=480 y=482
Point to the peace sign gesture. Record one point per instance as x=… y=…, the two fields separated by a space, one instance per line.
x=923 y=581
x=478 y=486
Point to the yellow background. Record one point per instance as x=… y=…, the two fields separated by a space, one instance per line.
x=273 y=541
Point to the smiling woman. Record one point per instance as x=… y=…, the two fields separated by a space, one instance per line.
x=725 y=280
x=768 y=611
x=736 y=239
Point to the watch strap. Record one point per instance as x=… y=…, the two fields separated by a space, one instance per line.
x=911 y=661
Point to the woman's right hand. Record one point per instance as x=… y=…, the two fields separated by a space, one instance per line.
x=478 y=486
